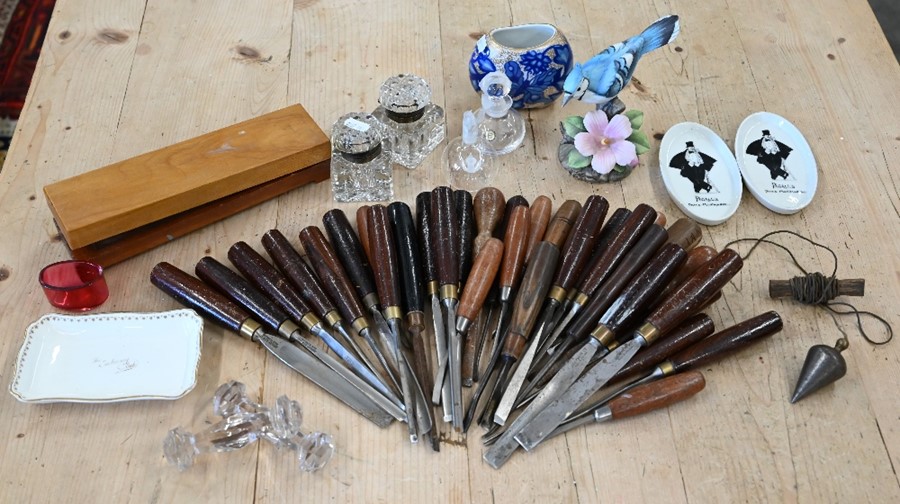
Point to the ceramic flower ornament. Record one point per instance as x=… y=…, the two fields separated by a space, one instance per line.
x=605 y=141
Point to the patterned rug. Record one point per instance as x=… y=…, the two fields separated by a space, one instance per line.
x=23 y=24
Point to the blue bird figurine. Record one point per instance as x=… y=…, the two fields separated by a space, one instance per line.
x=602 y=77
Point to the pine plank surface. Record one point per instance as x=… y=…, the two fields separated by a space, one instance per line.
x=119 y=78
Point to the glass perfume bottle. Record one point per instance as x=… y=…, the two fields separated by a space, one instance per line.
x=470 y=167
x=413 y=125
x=360 y=160
x=502 y=128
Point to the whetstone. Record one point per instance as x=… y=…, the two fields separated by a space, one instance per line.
x=121 y=210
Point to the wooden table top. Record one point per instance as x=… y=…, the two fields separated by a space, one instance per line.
x=119 y=78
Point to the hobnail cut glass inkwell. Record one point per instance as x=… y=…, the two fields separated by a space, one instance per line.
x=502 y=128
x=360 y=160
x=413 y=125
x=470 y=167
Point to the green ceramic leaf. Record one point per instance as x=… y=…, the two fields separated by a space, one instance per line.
x=574 y=125
x=577 y=160
x=636 y=117
x=619 y=168
x=640 y=141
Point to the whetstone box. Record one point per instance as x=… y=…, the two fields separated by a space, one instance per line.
x=112 y=213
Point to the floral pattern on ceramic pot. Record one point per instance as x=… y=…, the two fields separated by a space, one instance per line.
x=535 y=57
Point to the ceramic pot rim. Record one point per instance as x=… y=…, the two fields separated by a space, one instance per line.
x=554 y=32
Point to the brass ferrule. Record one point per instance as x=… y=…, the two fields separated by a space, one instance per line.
x=359 y=325
x=613 y=345
x=572 y=294
x=392 y=312
x=288 y=328
x=449 y=291
x=666 y=368
x=332 y=318
x=370 y=300
x=603 y=335
x=557 y=293
x=310 y=320
x=581 y=298
x=648 y=332
x=432 y=287
x=249 y=328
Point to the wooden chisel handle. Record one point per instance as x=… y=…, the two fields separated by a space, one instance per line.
x=631 y=231
x=300 y=274
x=579 y=245
x=480 y=279
x=607 y=233
x=558 y=230
x=241 y=292
x=334 y=278
x=488 y=205
x=445 y=239
x=409 y=257
x=350 y=252
x=538 y=219
x=691 y=294
x=362 y=229
x=423 y=219
x=726 y=341
x=465 y=215
x=697 y=257
x=270 y=281
x=535 y=284
x=686 y=233
x=643 y=288
x=384 y=259
x=500 y=233
x=657 y=394
x=686 y=334
x=195 y=294
x=514 y=247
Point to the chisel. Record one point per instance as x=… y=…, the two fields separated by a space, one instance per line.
x=538 y=218
x=465 y=216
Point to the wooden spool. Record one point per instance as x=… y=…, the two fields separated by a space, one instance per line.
x=850 y=287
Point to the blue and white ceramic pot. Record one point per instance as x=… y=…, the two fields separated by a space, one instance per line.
x=535 y=57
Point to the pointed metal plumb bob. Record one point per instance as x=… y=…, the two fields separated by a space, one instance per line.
x=823 y=365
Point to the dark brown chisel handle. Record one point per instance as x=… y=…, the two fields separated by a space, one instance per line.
x=538 y=219
x=686 y=233
x=609 y=231
x=445 y=239
x=480 y=279
x=691 y=294
x=686 y=334
x=409 y=257
x=195 y=294
x=362 y=228
x=241 y=292
x=579 y=245
x=643 y=289
x=656 y=395
x=423 y=221
x=465 y=215
x=535 y=285
x=275 y=285
x=384 y=260
x=334 y=279
x=514 y=247
x=631 y=231
x=558 y=230
x=697 y=257
x=636 y=258
x=726 y=341
x=300 y=274
x=488 y=204
x=350 y=252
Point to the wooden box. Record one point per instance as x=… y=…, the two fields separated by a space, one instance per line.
x=112 y=213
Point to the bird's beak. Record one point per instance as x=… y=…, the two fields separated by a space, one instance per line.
x=566 y=98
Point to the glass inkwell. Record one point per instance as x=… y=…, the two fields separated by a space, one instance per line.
x=471 y=168
x=413 y=125
x=360 y=160
x=502 y=128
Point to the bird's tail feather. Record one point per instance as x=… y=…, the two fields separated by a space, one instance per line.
x=660 y=33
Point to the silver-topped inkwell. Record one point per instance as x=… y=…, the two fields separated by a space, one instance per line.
x=360 y=160
x=413 y=125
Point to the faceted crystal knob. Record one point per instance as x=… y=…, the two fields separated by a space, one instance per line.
x=314 y=451
x=405 y=94
x=232 y=433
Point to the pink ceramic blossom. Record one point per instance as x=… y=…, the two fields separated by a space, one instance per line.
x=605 y=141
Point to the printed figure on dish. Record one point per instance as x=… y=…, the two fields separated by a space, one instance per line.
x=694 y=166
x=770 y=153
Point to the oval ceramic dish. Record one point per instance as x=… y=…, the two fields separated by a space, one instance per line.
x=700 y=173
x=776 y=162
x=108 y=357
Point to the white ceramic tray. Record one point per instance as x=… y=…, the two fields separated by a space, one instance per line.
x=700 y=173
x=776 y=162
x=108 y=357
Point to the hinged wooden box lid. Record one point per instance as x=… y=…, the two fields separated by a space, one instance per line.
x=120 y=210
